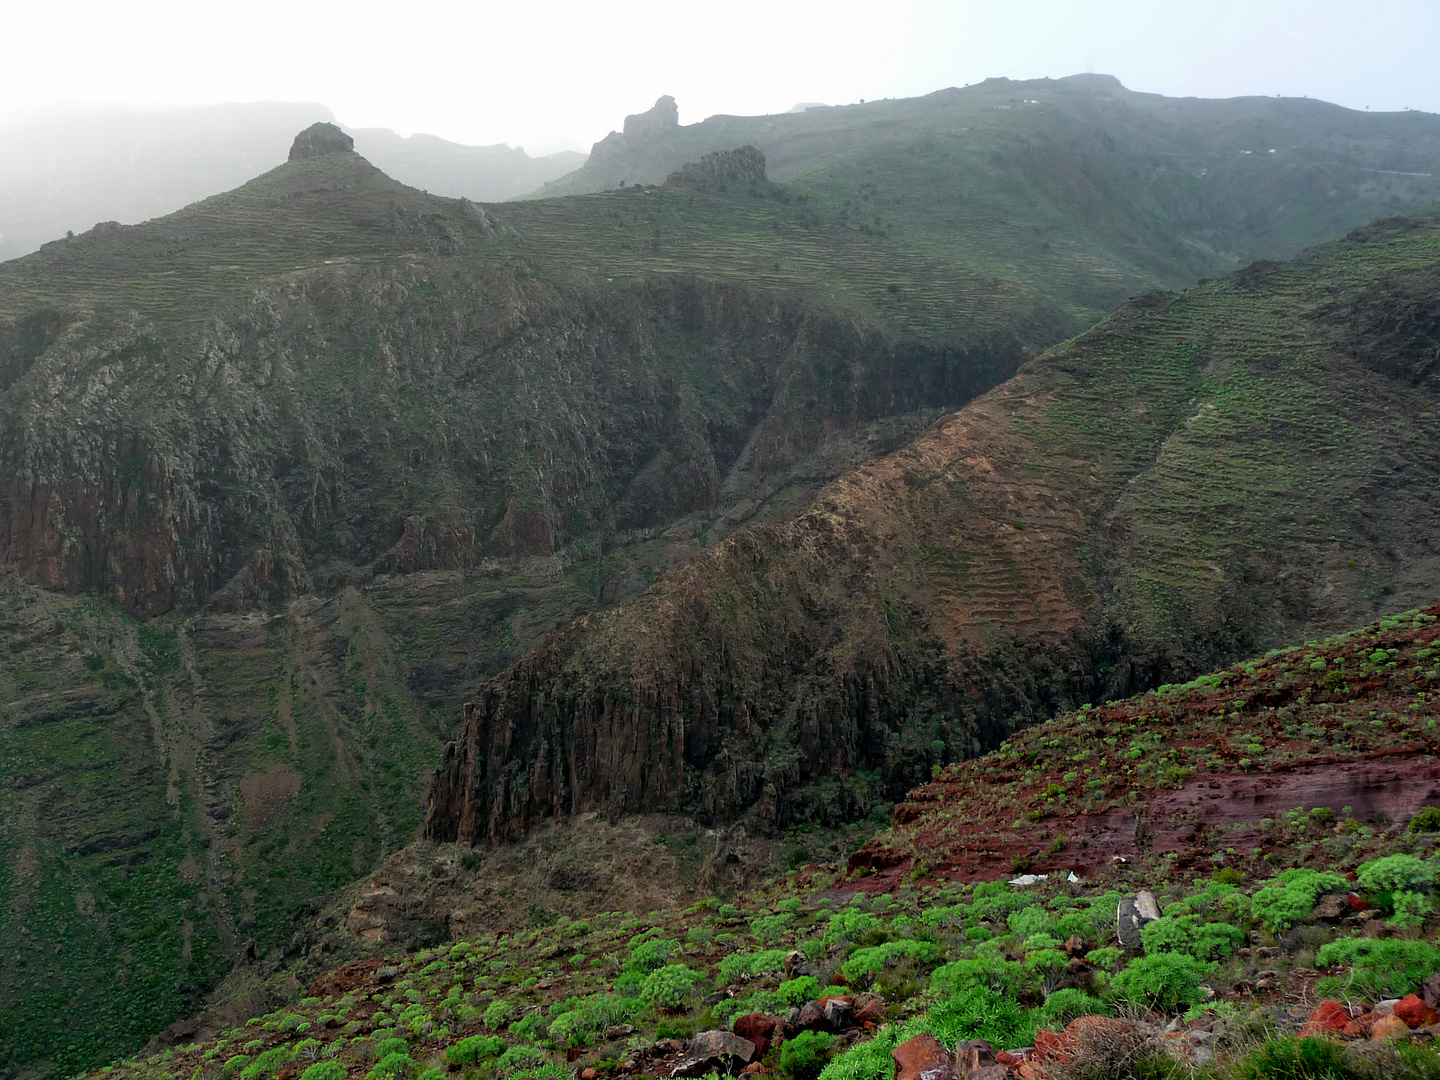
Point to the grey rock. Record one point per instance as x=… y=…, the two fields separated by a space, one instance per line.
x=321 y=138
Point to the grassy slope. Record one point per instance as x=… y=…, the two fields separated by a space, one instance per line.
x=888 y=933
x=1200 y=477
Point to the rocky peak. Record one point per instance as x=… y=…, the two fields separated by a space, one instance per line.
x=321 y=138
x=640 y=128
x=661 y=116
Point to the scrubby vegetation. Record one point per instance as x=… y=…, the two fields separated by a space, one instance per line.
x=990 y=960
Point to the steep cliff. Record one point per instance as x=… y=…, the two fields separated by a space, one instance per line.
x=1201 y=477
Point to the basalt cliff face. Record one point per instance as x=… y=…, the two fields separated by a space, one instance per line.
x=1200 y=478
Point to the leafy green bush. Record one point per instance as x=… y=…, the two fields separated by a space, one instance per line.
x=473 y=1050
x=978 y=1014
x=1107 y=959
x=579 y=1021
x=498 y=1014
x=1388 y=967
x=737 y=965
x=802 y=1056
x=668 y=987
x=1410 y=908
x=267 y=1064
x=851 y=925
x=1395 y=873
x=1029 y=921
x=1191 y=935
x=648 y=955
x=324 y=1070
x=521 y=1057
x=1165 y=982
x=1065 y=1005
x=867 y=963
x=1291 y=898
x=868 y=1060
x=527 y=1027
x=1426 y=820
x=796 y=992
x=991 y=973
x=392 y=1066
x=770 y=928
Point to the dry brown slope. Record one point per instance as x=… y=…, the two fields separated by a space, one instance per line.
x=1199 y=478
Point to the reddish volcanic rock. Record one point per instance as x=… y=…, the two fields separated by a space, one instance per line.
x=915 y=1056
x=1413 y=1010
x=1389 y=1027
x=1328 y=1018
x=1053 y=1046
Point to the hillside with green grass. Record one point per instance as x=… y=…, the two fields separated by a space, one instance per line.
x=290 y=472
x=1312 y=955
x=1033 y=180
x=1203 y=476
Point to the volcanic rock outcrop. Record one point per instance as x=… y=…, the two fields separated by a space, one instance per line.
x=320 y=138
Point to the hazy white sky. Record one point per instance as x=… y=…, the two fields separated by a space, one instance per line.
x=563 y=73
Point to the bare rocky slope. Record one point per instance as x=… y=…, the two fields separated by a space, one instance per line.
x=1199 y=478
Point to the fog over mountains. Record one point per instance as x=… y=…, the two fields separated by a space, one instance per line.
x=67 y=170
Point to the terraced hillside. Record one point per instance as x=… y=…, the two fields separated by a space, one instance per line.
x=1294 y=934
x=1201 y=477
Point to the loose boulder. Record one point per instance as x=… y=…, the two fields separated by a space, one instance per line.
x=1415 y=1012
x=710 y=1049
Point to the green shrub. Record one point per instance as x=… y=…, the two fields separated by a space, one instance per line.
x=867 y=963
x=1165 y=982
x=993 y=974
x=868 y=1060
x=1191 y=935
x=324 y=1070
x=1388 y=967
x=651 y=954
x=431 y=1074
x=1297 y=1059
x=392 y=1066
x=1027 y=922
x=498 y=1014
x=267 y=1064
x=473 y=1050
x=851 y=925
x=1291 y=898
x=770 y=928
x=1426 y=820
x=802 y=1056
x=1410 y=908
x=699 y=935
x=1107 y=959
x=521 y=1057
x=737 y=965
x=796 y=992
x=978 y=1014
x=1065 y=1005
x=1395 y=873
x=813 y=948
x=668 y=987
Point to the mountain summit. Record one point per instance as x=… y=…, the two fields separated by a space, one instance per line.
x=320 y=138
